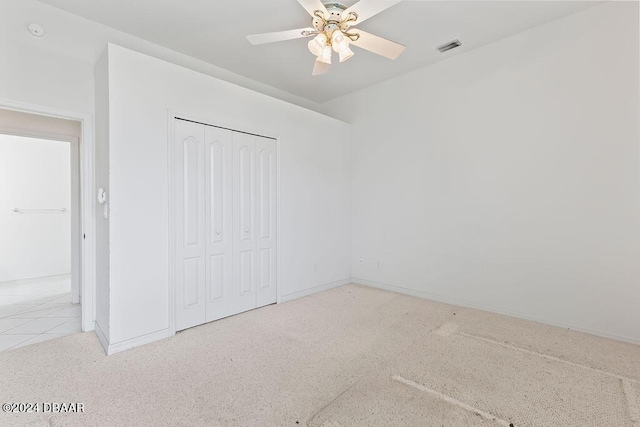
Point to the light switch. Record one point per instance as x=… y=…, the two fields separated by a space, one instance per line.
x=102 y=195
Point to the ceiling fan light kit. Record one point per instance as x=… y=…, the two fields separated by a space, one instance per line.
x=325 y=56
x=332 y=32
x=317 y=43
x=345 y=54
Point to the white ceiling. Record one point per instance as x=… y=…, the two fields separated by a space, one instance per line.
x=214 y=31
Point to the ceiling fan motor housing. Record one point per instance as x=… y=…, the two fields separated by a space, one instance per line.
x=332 y=22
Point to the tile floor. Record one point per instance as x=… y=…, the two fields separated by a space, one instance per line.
x=37 y=310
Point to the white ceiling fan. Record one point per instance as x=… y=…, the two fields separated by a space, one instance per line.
x=332 y=26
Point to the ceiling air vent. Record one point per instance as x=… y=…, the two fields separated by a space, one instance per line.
x=451 y=45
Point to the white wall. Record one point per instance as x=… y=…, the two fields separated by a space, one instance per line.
x=102 y=181
x=507 y=178
x=35 y=71
x=34 y=174
x=57 y=71
x=314 y=184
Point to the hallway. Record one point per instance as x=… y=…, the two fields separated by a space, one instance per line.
x=36 y=310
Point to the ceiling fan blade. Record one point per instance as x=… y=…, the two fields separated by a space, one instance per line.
x=278 y=36
x=378 y=45
x=320 y=68
x=312 y=5
x=365 y=9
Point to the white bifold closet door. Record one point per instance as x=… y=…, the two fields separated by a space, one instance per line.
x=218 y=215
x=225 y=222
x=190 y=265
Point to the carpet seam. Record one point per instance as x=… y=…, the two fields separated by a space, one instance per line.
x=332 y=401
x=451 y=400
x=546 y=356
x=632 y=404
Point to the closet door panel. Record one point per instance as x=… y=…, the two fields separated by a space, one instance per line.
x=191 y=281
x=218 y=275
x=264 y=267
x=244 y=212
x=247 y=273
x=267 y=233
x=190 y=250
x=246 y=192
x=219 y=218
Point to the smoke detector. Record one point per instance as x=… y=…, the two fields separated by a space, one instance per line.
x=36 y=30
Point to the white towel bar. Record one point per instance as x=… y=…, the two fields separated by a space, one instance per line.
x=18 y=210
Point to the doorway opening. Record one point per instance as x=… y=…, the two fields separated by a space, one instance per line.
x=41 y=228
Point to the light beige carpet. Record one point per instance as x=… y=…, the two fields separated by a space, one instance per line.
x=351 y=356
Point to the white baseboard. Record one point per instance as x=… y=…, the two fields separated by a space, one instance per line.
x=101 y=337
x=471 y=304
x=315 y=289
x=138 y=341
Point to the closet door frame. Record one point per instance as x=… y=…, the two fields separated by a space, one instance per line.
x=172 y=116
